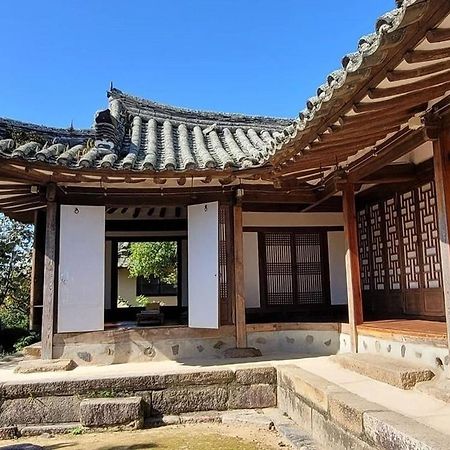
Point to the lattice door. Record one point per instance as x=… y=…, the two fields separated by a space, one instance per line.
x=364 y=249
x=225 y=278
x=408 y=227
x=279 y=269
x=309 y=271
x=393 y=264
x=293 y=267
x=432 y=276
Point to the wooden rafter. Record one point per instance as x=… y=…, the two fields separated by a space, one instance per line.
x=400 y=75
x=406 y=100
x=438 y=35
x=420 y=56
x=410 y=87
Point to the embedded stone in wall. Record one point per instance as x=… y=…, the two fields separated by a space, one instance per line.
x=252 y=396
x=40 y=410
x=201 y=398
x=267 y=375
x=200 y=378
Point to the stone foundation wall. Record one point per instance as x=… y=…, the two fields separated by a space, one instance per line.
x=424 y=353
x=28 y=403
x=182 y=343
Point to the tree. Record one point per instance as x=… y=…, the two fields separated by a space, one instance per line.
x=153 y=259
x=16 y=242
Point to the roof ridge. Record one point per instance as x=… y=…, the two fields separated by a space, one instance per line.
x=162 y=109
x=42 y=128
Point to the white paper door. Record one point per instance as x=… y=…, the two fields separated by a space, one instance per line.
x=81 y=268
x=203 y=265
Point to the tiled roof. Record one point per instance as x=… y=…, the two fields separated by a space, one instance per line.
x=137 y=134
x=356 y=66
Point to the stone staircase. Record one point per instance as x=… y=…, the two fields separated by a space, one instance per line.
x=401 y=374
x=341 y=420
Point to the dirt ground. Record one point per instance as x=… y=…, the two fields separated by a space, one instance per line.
x=179 y=437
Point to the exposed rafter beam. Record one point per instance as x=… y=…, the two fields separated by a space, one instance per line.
x=420 y=56
x=400 y=75
x=410 y=87
x=438 y=35
x=406 y=100
x=393 y=173
x=388 y=152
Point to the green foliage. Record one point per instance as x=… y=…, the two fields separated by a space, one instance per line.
x=26 y=340
x=16 y=242
x=77 y=430
x=157 y=259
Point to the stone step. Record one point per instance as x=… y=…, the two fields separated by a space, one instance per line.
x=340 y=419
x=44 y=365
x=439 y=389
x=401 y=374
x=52 y=428
x=33 y=350
x=104 y=412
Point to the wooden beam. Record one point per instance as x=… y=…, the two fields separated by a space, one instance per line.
x=441 y=151
x=420 y=56
x=438 y=35
x=405 y=100
x=239 y=294
x=48 y=313
x=399 y=75
x=393 y=173
x=354 y=296
x=330 y=189
x=392 y=149
x=37 y=271
x=410 y=87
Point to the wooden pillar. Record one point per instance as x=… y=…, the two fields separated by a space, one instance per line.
x=441 y=153
x=239 y=295
x=49 y=276
x=37 y=271
x=355 y=309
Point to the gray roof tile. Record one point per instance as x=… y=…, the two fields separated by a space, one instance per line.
x=137 y=134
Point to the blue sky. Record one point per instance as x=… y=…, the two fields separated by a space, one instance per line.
x=251 y=56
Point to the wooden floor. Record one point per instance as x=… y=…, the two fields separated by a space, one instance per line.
x=425 y=329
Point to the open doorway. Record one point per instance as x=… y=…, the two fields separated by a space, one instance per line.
x=147 y=282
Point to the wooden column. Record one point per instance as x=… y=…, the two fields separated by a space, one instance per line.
x=441 y=153
x=48 y=312
x=239 y=295
x=37 y=271
x=355 y=310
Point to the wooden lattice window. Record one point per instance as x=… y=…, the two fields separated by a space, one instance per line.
x=376 y=246
x=225 y=265
x=432 y=276
x=408 y=226
x=294 y=268
x=393 y=266
x=399 y=242
x=364 y=249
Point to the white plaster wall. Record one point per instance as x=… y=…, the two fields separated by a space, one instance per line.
x=336 y=257
x=81 y=294
x=270 y=219
x=251 y=270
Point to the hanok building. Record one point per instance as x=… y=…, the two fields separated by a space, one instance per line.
x=284 y=228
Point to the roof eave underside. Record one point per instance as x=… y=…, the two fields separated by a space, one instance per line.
x=396 y=74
